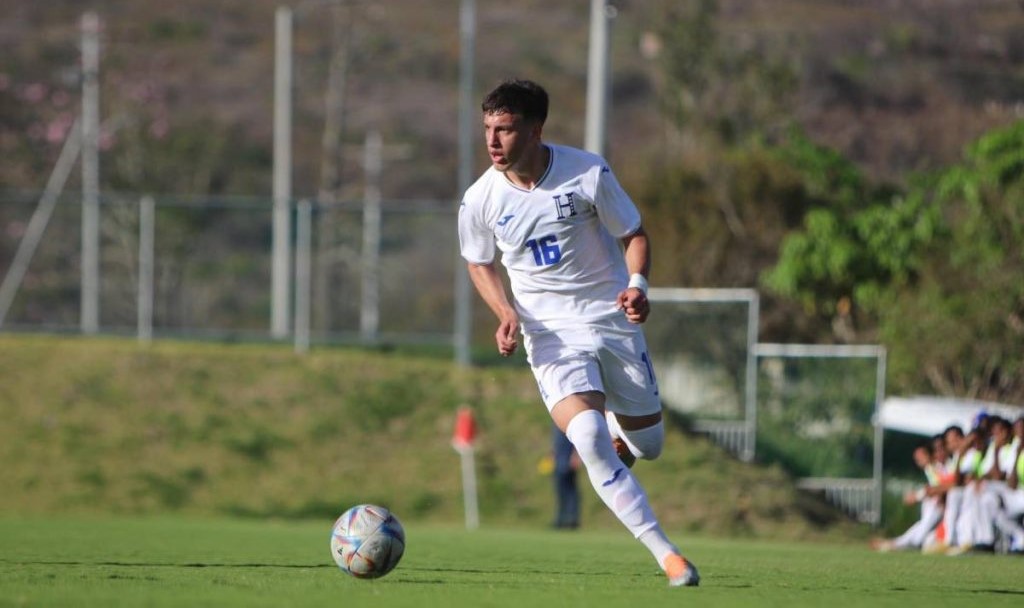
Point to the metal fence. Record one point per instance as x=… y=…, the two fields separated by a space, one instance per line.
x=205 y=270
x=810 y=408
x=385 y=274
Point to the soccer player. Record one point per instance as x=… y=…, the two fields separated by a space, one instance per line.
x=999 y=465
x=1014 y=505
x=577 y=257
x=952 y=484
x=969 y=528
x=931 y=506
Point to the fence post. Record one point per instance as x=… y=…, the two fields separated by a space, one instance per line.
x=369 y=311
x=147 y=244
x=462 y=331
x=303 y=274
x=90 y=296
x=40 y=218
x=282 y=187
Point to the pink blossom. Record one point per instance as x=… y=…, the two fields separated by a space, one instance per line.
x=34 y=93
x=107 y=140
x=58 y=129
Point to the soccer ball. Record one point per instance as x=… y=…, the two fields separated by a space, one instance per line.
x=367 y=541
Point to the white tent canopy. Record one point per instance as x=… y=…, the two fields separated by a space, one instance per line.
x=927 y=415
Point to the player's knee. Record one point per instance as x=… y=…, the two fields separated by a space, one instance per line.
x=585 y=431
x=647 y=443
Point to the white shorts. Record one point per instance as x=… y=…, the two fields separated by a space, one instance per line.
x=609 y=356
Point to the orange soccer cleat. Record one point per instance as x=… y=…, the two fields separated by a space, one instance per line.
x=681 y=573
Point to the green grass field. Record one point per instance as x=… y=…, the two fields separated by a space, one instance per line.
x=238 y=562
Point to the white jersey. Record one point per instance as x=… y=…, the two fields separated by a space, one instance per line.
x=559 y=241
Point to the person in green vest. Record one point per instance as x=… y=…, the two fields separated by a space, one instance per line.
x=1005 y=498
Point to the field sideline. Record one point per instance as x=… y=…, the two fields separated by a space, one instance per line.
x=167 y=561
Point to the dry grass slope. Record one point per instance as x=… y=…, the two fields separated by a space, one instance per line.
x=108 y=426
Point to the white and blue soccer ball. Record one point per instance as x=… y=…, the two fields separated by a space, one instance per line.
x=367 y=541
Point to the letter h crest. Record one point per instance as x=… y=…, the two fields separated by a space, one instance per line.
x=566 y=209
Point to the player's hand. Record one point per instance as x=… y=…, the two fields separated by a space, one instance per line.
x=634 y=303
x=506 y=338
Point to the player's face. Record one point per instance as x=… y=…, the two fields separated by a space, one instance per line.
x=921 y=457
x=954 y=441
x=509 y=139
x=1000 y=434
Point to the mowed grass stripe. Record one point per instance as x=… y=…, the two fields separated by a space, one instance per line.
x=188 y=562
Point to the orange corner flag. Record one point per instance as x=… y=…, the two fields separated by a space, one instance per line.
x=465 y=429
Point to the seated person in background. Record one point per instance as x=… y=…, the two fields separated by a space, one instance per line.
x=956 y=446
x=1014 y=498
x=969 y=529
x=931 y=508
x=997 y=467
x=944 y=467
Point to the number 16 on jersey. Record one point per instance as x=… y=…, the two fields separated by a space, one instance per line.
x=545 y=250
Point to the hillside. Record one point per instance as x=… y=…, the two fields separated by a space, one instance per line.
x=895 y=86
x=698 y=112
x=108 y=426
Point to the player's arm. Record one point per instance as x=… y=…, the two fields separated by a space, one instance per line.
x=633 y=299
x=996 y=472
x=1013 y=479
x=489 y=285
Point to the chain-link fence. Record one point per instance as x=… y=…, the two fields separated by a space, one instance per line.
x=211 y=269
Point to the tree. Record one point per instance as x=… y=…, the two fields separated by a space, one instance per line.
x=720 y=195
x=856 y=238
x=937 y=269
x=958 y=329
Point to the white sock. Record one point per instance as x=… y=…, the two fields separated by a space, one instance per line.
x=613 y=424
x=644 y=443
x=658 y=544
x=613 y=481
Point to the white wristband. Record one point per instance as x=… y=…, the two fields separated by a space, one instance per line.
x=639 y=281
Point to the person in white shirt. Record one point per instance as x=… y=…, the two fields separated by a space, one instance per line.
x=1013 y=507
x=952 y=482
x=928 y=497
x=577 y=258
x=970 y=529
x=999 y=466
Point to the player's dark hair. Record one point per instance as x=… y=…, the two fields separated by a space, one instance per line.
x=523 y=97
x=954 y=428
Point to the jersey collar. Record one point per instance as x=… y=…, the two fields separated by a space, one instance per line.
x=547 y=171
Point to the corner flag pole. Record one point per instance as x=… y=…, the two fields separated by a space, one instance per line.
x=463 y=441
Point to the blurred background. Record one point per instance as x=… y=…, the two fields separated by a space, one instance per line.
x=858 y=165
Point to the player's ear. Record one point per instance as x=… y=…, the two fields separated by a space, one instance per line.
x=537 y=129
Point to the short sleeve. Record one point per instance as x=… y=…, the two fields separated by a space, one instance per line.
x=476 y=241
x=616 y=210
